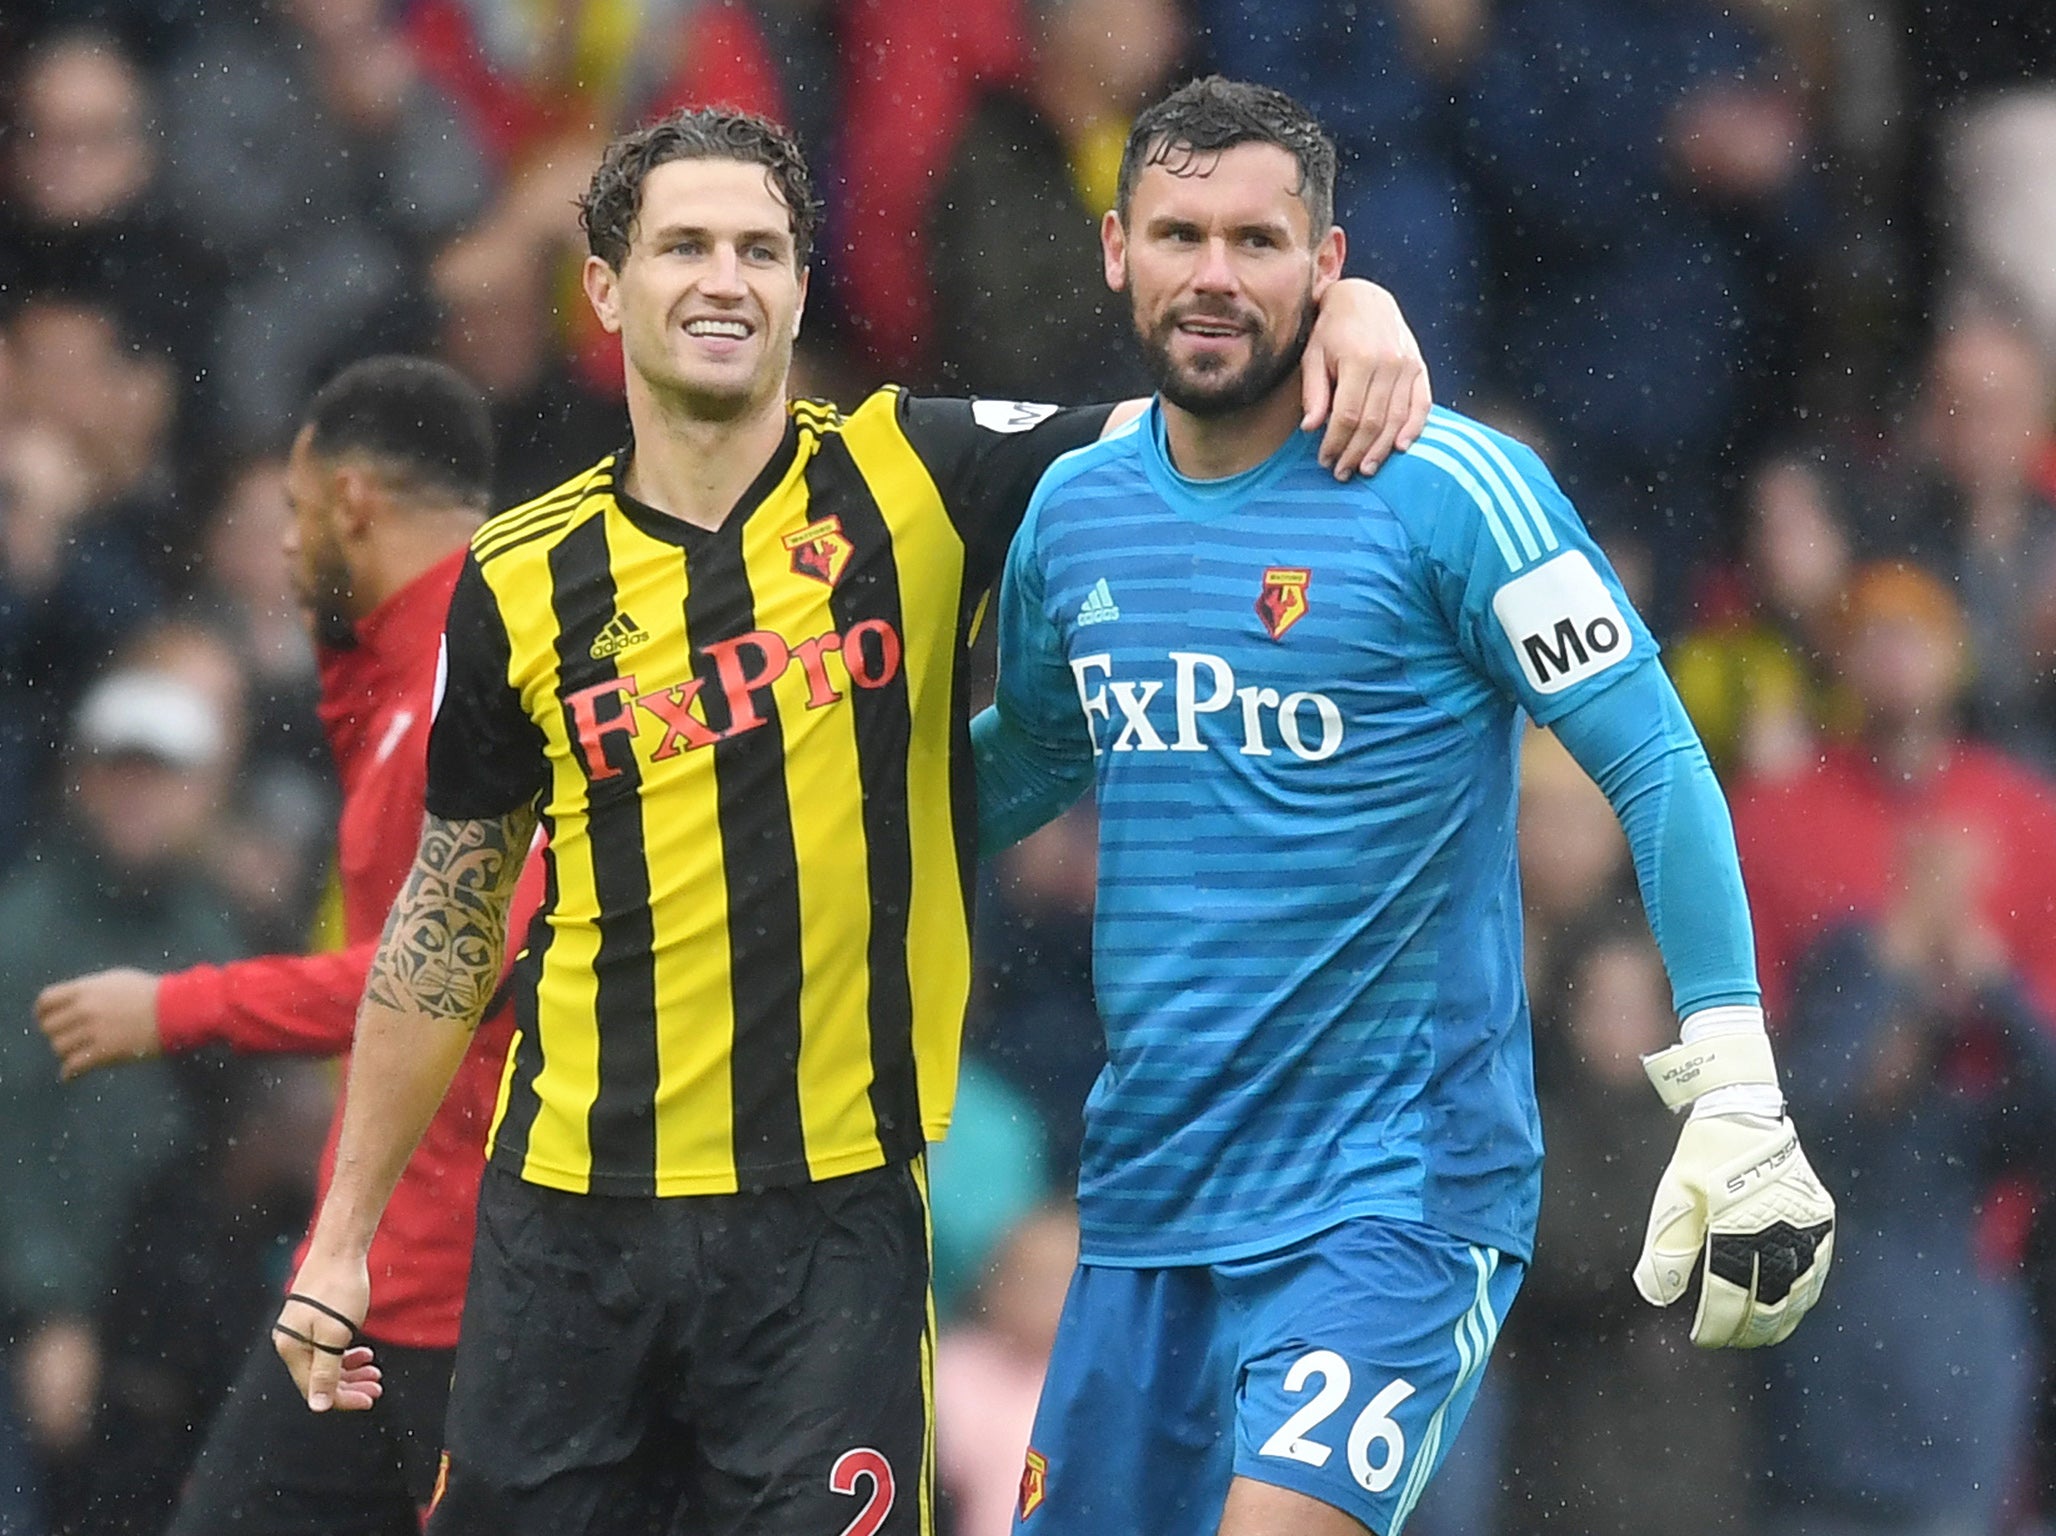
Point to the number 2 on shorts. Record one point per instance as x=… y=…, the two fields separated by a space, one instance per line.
x=863 y=1462
x=1374 y=1426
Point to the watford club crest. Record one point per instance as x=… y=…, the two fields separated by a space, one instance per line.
x=820 y=550
x=1033 y=1482
x=1283 y=601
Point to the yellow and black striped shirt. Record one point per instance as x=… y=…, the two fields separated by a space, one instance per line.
x=750 y=752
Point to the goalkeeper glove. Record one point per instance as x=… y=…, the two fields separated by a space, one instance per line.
x=1738 y=1194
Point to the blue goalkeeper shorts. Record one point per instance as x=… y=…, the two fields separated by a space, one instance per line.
x=1341 y=1367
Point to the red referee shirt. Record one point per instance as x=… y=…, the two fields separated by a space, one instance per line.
x=376 y=700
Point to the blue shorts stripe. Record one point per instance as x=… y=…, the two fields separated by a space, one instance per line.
x=1474 y=1335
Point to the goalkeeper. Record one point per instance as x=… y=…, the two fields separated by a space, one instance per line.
x=1312 y=1164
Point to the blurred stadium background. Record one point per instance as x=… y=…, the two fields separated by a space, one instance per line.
x=1771 y=283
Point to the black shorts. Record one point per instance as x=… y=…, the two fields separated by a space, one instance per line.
x=272 y=1467
x=703 y=1364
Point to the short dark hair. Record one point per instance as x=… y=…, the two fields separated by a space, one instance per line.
x=424 y=422
x=610 y=206
x=1193 y=124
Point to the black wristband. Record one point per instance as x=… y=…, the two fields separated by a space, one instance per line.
x=324 y=1309
x=311 y=1343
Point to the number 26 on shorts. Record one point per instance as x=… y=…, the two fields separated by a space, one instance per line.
x=1374 y=1427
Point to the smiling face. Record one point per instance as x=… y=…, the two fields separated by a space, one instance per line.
x=708 y=297
x=1223 y=272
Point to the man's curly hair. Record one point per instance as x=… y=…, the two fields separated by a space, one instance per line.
x=611 y=204
x=1187 y=131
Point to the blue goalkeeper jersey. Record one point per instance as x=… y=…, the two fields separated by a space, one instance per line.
x=1300 y=702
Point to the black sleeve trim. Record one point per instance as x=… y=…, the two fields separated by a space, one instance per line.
x=486 y=757
x=987 y=457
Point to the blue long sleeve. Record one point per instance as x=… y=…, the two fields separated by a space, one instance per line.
x=1032 y=754
x=1636 y=742
x=1023 y=782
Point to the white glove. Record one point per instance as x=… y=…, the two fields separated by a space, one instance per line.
x=1739 y=1193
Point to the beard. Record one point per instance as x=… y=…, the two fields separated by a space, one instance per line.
x=1210 y=387
x=332 y=627
x=325 y=598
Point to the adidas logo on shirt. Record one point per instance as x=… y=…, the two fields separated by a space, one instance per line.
x=1099 y=606
x=620 y=633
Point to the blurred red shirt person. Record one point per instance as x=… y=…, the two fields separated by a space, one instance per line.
x=1824 y=847
x=388 y=480
x=376 y=701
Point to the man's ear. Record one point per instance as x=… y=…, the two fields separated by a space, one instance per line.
x=800 y=313
x=600 y=281
x=1113 y=249
x=359 y=499
x=1329 y=256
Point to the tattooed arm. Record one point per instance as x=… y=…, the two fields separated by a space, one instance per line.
x=435 y=970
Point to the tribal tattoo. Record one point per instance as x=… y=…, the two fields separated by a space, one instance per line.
x=441 y=951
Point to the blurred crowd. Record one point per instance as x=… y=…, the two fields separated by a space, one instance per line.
x=1770 y=283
